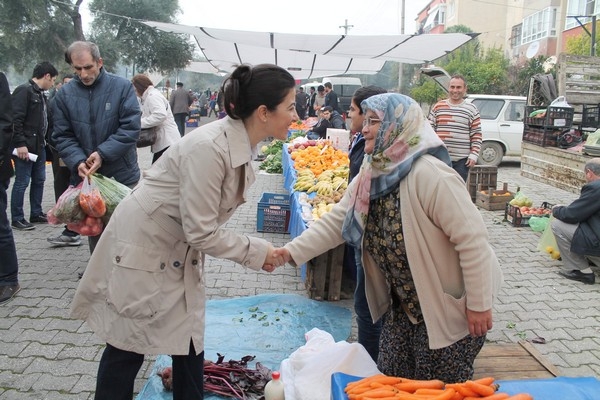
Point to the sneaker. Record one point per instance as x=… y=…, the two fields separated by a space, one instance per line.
x=64 y=240
x=22 y=225
x=40 y=219
x=8 y=292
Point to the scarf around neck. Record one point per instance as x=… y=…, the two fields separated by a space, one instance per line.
x=403 y=136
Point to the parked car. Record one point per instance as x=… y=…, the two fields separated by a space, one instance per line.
x=501 y=120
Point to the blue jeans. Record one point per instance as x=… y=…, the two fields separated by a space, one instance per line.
x=9 y=268
x=460 y=166
x=25 y=172
x=368 y=332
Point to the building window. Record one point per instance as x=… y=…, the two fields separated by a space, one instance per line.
x=437 y=16
x=539 y=25
x=516 y=36
x=581 y=8
x=452 y=9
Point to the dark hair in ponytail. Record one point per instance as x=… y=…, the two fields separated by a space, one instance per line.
x=248 y=87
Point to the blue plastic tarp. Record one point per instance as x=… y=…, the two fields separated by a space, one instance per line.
x=269 y=327
x=561 y=388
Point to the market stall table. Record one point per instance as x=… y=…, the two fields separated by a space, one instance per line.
x=323 y=276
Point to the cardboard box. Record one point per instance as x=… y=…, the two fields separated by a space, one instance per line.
x=339 y=137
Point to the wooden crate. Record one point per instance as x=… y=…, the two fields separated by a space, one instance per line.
x=493 y=200
x=513 y=361
x=324 y=275
x=481 y=176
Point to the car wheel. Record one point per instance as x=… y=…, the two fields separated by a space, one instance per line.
x=491 y=153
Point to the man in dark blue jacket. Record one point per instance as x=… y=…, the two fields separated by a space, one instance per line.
x=31 y=123
x=9 y=267
x=97 y=120
x=577 y=228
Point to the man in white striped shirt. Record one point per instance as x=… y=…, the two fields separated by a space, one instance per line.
x=457 y=123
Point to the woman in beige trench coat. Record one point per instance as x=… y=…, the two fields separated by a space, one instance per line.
x=143 y=289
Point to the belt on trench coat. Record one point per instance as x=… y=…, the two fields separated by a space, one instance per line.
x=152 y=209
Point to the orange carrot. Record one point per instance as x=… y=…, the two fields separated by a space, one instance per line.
x=410 y=385
x=462 y=389
x=481 y=390
x=487 y=380
x=457 y=396
x=428 y=391
x=447 y=395
x=520 y=396
x=495 y=396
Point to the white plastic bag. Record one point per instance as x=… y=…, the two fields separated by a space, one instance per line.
x=560 y=101
x=307 y=372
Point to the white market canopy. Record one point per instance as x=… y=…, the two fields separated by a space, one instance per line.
x=313 y=56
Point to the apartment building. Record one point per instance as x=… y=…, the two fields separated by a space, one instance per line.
x=522 y=28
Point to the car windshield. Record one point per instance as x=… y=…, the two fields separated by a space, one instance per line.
x=488 y=108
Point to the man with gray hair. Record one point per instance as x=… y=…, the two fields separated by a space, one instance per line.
x=97 y=121
x=577 y=228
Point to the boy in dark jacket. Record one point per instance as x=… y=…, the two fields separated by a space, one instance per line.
x=31 y=123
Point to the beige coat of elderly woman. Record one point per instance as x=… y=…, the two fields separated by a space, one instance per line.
x=143 y=289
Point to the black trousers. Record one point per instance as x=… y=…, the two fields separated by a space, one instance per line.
x=118 y=369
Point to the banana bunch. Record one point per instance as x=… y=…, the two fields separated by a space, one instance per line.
x=304 y=183
x=305 y=173
x=339 y=183
x=326 y=175
x=342 y=171
x=324 y=188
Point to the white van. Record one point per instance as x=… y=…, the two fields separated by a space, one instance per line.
x=344 y=87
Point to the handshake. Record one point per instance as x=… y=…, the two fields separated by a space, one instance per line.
x=276 y=258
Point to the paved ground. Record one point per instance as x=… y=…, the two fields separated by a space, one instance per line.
x=46 y=355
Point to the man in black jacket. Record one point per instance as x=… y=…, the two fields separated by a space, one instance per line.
x=577 y=228
x=9 y=267
x=31 y=122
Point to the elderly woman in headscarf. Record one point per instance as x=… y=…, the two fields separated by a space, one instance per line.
x=430 y=271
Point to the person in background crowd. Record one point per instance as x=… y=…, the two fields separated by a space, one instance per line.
x=173 y=219
x=431 y=277
x=335 y=119
x=103 y=136
x=577 y=228
x=156 y=113
x=458 y=124
x=310 y=105
x=212 y=105
x=331 y=98
x=301 y=101
x=203 y=104
x=9 y=265
x=368 y=331
x=31 y=122
x=319 y=99
x=180 y=102
x=319 y=130
x=62 y=180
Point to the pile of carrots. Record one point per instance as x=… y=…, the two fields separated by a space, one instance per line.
x=383 y=387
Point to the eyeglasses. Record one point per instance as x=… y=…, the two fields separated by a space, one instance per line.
x=371 y=121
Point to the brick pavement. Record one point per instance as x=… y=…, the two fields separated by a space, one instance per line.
x=46 y=355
